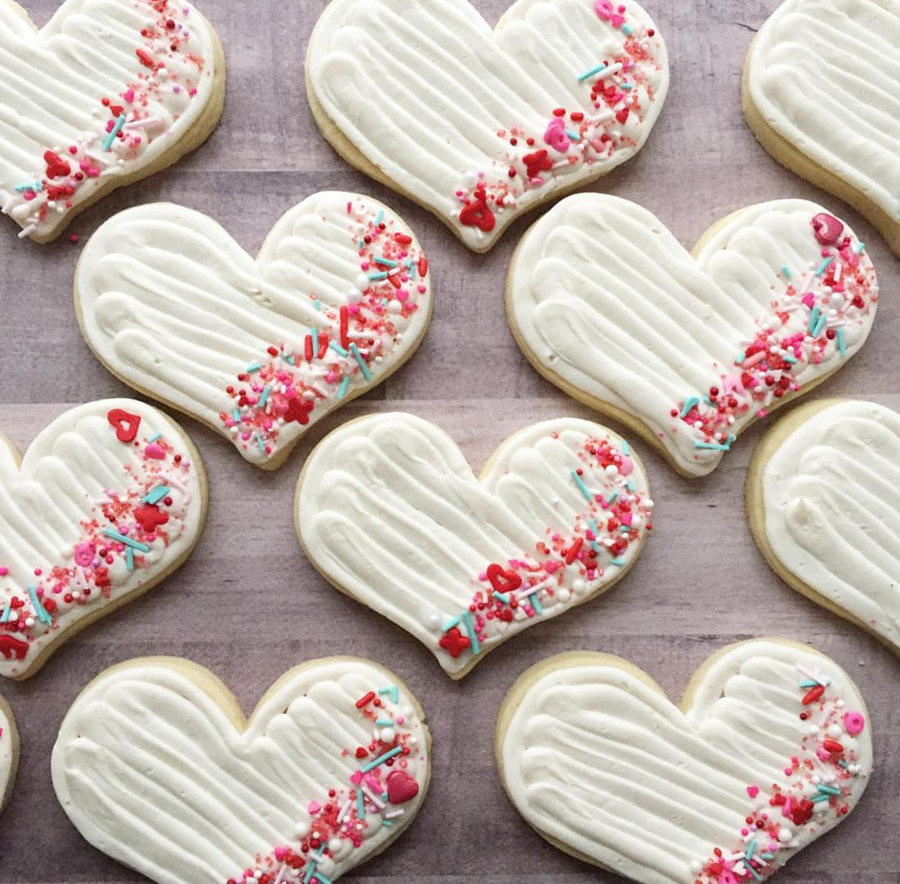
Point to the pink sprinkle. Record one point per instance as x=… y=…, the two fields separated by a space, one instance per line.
x=809 y=299
x=314 y=807
x=753 y=791
x=155 y=451
x=280 y=853
x=4 y=572
x=854 y=723
x=129 y=95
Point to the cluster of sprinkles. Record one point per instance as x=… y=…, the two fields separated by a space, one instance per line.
x=344 y=351
x=126 y=531
x=344 y=817
x=126 y=123
x=615 y=91
x=810 y=315
x=562 y=567
x=817 y=789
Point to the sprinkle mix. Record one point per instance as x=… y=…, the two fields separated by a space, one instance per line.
x=342 y=355
x=127 y=532
x=816 y=790
x=615 y=98
x=561 y=568
x=811 y=313
x=373 y=800
x=125 y=126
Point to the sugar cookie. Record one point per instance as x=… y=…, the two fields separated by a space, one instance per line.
x=9 y=753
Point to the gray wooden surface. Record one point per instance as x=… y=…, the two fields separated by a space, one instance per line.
x=699 y=585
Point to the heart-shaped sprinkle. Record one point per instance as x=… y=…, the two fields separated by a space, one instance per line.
x=456 y=125
x=307 y=808
x=125 y=424
x=503 y=579
x=828 y=229
x=694 y=348
x=586 y=737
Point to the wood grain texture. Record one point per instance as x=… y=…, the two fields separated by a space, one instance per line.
x=249 y=606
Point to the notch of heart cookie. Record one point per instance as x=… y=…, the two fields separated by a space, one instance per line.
x=109 y=499
x=820 y=94
x=330 y=769
x=71 y=142
x=689 y=349
x=389 y=511
x=338 y=299
x=480 y=125
x=822 y=508
x=770 y=750
x=9 y=753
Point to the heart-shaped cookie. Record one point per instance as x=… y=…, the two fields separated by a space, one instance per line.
x=822 y=95
x=110 y=91
x=770 y=750
x=9 y=753
x=157 y=767
x=390 y=513
x=822 y=500
x=476 y=125
x=90 y=520
x=688 y=350
x=338 y=299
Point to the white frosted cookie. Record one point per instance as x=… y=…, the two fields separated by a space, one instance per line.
x=9 y=753
x=824 y=509
x=389 y=511
x=481 y=125
x=770 y=749
x=689 y=349
x=157 y=767
x=109 y=500
x=108 y=92
x=822 y=95
x=337 y=300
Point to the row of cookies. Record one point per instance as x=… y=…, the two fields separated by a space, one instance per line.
x=156 y=765
x=450 y=121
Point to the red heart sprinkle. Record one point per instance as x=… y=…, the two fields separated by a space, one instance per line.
x=362 y=752
x=125 y=423
x=828 y=229
x=503 y=580
x=401 y=787
x=57 y=167
x=476 y=213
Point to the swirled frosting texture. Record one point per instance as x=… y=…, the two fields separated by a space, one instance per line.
x=825 y=75
x=480 y=125
x=98 y=95
x=152 y=772
x=339 y=296
x=597 y=759
x=832 y=510
x=389 y=510
x=607 y=302
x=88 y=519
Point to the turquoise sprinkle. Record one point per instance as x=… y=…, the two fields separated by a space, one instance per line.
x=338 y=349
x=386 y=262
x=315 y=340
x=824 y=266
x=592 y=72
x=820 y=325
x=156 y=495
x=322 y=879
x=450 y=624
x=360 y=805
x=693 y=402
x=844 y=764
x=581 y=486
x=712 y=446
x=788 y=358
x=626 y=87
x=310 y=872
x=140 y=547
x=6 y=612
x=625 y=447
x=817 y=799
x=842 y=342
x=767 y=856
x=386 y=824
x=412 y=270
x=787 y=272
x=155 y=437
x=860 y=248
x=361 y=362
x=630 y=485
x=384 y=722
x=381 y=759
x=129 y=559
x=342 y=390
x=120 y=122
x=573 y=135
x=809 y=683
x=535 y=603
x=36 y=186
x=393 y=690
x=236 y=415
x=828 y=790
x=813 y=318
x=374 y=277
x=317 y=304
x=627 y=30
x=612 y=498
x=470 y=629
x=752 y=871
x=751 y=849
x=379 y=217
x=260 y=444
x=265 y=396
x=593 y=526
x=254 y=367
x=43 y=616
x=289 y=359
x=740 y=359
x=502 y=597
x=617 y=562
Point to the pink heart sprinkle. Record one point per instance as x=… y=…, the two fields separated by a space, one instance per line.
x=753 y=791
x=314 y=807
